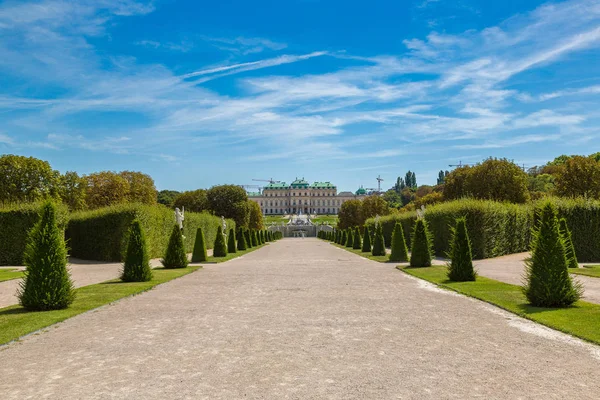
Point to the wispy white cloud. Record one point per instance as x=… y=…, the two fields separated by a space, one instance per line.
x=244 y=45
x=183 y=46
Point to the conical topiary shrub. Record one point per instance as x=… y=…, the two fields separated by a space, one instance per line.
x=569 y=248
x=378 y=242
x=175 y=256
x=344 y=237
x=366 y=246
x=356 y=242
x=349 y=238
x=199 y=252
x=421 y=245
x=399 y=249
x=262 y=237
x=254 y=237
x=231 y=246
x=248 y=237
x=241 y=240
x=220 y=248
x=460 y=267
x=137 y=261
x=548 y=283
x=47 y=284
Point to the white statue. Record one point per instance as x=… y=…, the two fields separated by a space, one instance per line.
x=179 y=217
x=421 y=212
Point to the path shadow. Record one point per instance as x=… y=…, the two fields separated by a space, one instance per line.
x=15 y=311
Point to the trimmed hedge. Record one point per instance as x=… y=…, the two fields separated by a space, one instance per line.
x=102 y=234
x=16 y=222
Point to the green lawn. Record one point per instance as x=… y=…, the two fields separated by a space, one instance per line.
x=230 y=256
x=331 y=219
x=587 y=270
x=8 y=274
x=15 y=321
x=384 y=259
x=581 y=320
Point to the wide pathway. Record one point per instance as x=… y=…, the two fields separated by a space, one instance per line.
x=511 y=269
x=299 y=319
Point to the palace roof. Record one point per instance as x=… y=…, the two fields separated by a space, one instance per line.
x=299 y=183
x=322 y=185
x=279 y=185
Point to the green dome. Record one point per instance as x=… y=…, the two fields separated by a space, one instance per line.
x=361 y=191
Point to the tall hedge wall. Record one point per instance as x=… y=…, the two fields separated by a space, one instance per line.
x=102 y=234
x=497 y=229
x=15 y=223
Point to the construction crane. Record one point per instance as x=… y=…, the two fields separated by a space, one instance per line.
x=379 y=180
x=246 y=187
x=266 y=180
x=460 y=164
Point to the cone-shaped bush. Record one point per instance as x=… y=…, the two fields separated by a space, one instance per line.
x=569 y=248
x=357 y=241
x=421 y=245
x=137 y=261
x=248 y=237
x=366 y=245
x=241 y=240
x=231 y=245
x=175 y=256
x=548 y=283
x=349 y=238
x=47 y=284
x=254 y=237
x=344 y=238
x=262 y=237
x=199 y=252
x=399 y=249
x=220 y=247
x=460 y=267
x=378 y=242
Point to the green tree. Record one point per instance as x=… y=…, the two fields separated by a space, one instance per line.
x=569 y=247
x=72 y=191
x=26 y=179
x=374 y=205
x=47 y=284
x=351 y=214
x=229 y=201
x=455 y=183
x=137 y=261
x=175 y=256
x=442 y=177
x=378 y=242
x=579 y=176
x=220 y=248
x=548 y=283
x=460 y=267
x=241 y=240
x=400 y=184
x=366 y=246
x=231 y=245
x=357 y=241
x=105 y=189
x=393 y=198
x=255 y=216
x=167 y=198
x=141 y=187
x=399 y=249
x=421 y=245
x=199 y=254
x=194 y=201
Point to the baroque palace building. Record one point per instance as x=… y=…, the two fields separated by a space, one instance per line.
x=301 y=197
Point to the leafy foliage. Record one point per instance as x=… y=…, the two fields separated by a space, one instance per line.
x=349 y=238
x=47 y=284
x=137 y=261
x=255 y=216
x=565 y=233
x=220 y=248
x=460 y=267
x=26 y=179
x=105 y=189
x=421 y=245
x=167 y=198
x=374 y=205
x=241 y=240
x=175 y=256
x=231 y=245
x=351 y=214
x=357 y=241
x=254 y=238
x=73 y=191
x=194 y=200
x=378 y=242
x=366 y=246
x=230 y=201
x=141 y=187
x=548 y=283
x=248 y=236
x=579 y=176
x=399 y=249
x=199 y=254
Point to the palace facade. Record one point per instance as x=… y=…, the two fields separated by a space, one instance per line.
x=302 y=197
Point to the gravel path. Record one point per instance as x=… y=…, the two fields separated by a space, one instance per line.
x=511 y=269
x=299 y=319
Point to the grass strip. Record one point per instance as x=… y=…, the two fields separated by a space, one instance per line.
x=383 y=259
x=587 y=270
x=9 y=274
x=16 y=322
x=581 y=320
x=231 y=256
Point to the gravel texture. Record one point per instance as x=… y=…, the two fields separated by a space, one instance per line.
x=299 y=319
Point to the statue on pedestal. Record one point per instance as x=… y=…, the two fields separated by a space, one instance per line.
x=180 y=217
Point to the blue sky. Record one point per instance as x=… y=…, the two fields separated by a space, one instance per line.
x=197 y=93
